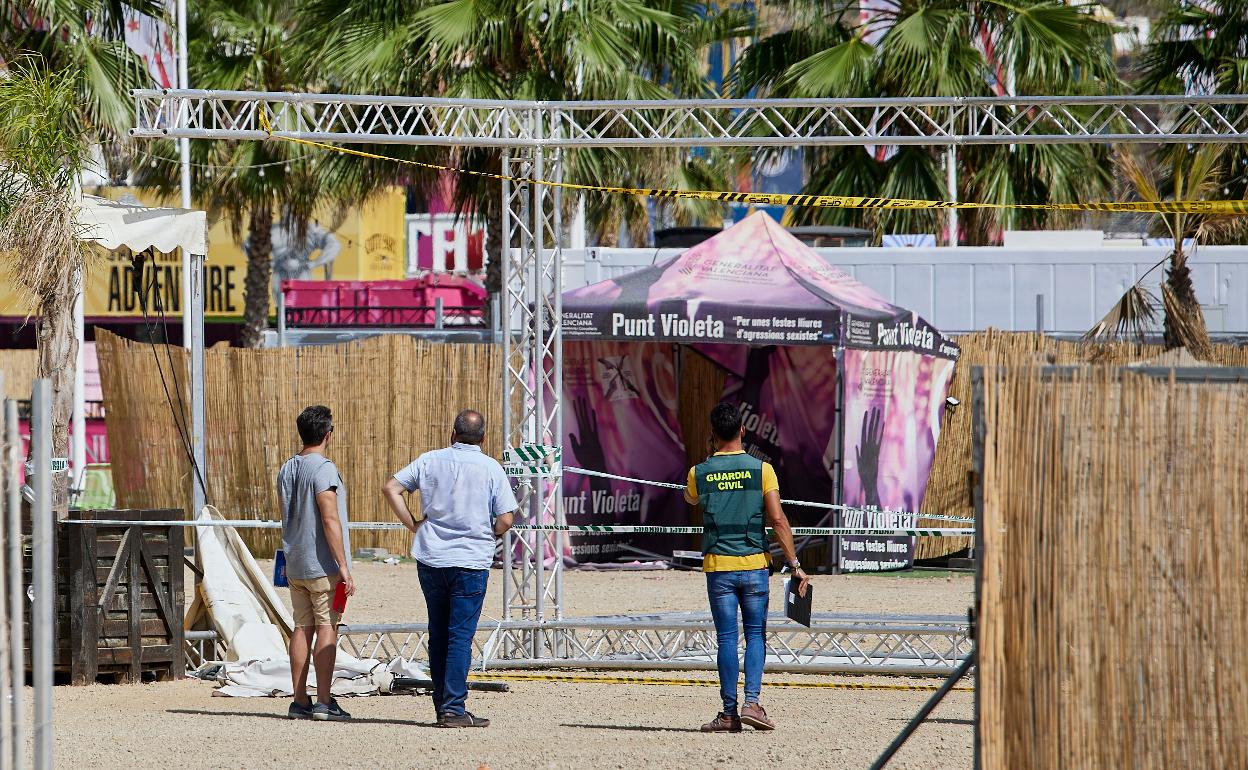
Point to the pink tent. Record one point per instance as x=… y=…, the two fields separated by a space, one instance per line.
x=840 y=390
x=755 y=284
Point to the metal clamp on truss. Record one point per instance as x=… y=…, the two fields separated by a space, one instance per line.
x=533 y=461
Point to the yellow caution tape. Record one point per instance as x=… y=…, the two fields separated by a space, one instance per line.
x=581 y=679
x=1214 y=208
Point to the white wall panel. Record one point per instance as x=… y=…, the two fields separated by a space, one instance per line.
x=964 y=289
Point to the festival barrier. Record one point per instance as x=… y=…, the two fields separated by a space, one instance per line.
x=1114 y=567
x=622 y=528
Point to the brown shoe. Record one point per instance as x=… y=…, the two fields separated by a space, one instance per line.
x=754 y=716
x=723 y=724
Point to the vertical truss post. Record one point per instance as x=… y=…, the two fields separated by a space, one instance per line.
x=555 y=270
x=517 y=353
x=532 y=350
x=505 y=326
x=537 y=371
x=547 y=374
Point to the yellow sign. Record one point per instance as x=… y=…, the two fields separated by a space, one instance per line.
x=366 y=246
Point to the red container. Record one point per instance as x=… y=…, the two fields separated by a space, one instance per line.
x=339 y=604
x=407 y=303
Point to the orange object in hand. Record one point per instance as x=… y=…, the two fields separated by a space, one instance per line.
x=339 y=604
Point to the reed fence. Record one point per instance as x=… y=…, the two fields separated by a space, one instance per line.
x=950 y=484
x=392 y=397
x=18 y=367
x=1115 y=571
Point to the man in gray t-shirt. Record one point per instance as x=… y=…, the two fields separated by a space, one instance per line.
x=317 y=547
x=308 y=552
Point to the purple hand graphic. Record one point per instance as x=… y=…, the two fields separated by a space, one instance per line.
x=586 y=444
x=868 y=455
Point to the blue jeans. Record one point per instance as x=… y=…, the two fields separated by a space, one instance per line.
x=454 y=596
x=727 y=591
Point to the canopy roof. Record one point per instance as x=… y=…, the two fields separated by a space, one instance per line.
x=113 y=225
x=754 y=283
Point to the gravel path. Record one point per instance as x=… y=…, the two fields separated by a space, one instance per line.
x=537 y=724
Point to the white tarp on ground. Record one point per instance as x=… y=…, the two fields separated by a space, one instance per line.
x=239 y=602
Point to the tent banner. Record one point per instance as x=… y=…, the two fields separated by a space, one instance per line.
x=707 y=322
x=902 y=332
x=894 y=402
x=620 y=417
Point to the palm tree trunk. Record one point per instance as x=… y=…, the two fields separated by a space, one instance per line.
x=58 y=353
x=1189 y=330
x=256 y=290
x=496 y=251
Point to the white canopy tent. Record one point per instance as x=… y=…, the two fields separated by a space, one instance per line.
x=114 y=225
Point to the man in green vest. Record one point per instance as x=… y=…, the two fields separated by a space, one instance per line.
x=740 y=497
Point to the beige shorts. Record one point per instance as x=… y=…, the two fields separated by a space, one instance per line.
x=311 y=600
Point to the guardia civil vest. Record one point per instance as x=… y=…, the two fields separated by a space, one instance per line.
x=730 y=493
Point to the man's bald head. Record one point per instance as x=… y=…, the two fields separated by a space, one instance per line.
x=469 y=427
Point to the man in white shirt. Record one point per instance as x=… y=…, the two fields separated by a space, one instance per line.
x=468 y=504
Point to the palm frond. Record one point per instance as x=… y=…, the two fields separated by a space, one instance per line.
x=45 y=146
x=1133 y=315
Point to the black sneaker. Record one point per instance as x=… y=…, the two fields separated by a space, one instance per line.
x=330 y=712
x=466 y=719
x=299 y=711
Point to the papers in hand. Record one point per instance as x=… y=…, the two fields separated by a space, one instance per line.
x=797 y=608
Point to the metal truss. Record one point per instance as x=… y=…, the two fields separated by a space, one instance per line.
x=845 y=644
x=534 y=137
x=833 y=644
x=533 y=387
x=692 y=123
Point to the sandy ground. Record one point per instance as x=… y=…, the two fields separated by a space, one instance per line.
x=537 y=724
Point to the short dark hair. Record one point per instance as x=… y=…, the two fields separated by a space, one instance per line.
x=314 y=423
x=469 y=427
x=726 y=421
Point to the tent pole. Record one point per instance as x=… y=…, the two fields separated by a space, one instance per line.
x=77 y=420
x=839 y=481
x=192 y=297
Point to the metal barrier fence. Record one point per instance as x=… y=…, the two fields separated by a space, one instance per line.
x=20 y=610
x=840 y=644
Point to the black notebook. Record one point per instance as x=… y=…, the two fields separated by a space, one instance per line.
x=796 y=607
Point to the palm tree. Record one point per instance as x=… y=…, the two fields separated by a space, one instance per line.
x=44 y=148
x=65 y=75
x=254 y=46
x=941 y=48
x=529 y=49
x=87 y=36
x=1190 y=176
x=1203 y=48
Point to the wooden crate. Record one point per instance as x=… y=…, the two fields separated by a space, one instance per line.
x=119 y=605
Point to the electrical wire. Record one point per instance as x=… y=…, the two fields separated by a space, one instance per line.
x=179 y=421
x=177 y=388
x=228 y=166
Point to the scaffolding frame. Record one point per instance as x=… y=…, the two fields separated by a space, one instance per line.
x=533 y=138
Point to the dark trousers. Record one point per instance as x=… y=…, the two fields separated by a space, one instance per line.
x=453 y=596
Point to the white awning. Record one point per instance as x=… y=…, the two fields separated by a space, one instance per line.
x=113 y=225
